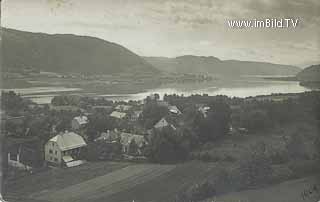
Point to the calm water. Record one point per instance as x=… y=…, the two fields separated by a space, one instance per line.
x=244 y=90
x=240 y=88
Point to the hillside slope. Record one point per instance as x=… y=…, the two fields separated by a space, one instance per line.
x=69 y=53
x=310 y=74
x=213 y=65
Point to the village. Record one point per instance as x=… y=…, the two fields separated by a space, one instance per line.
x=153 y=139
x=65 y=147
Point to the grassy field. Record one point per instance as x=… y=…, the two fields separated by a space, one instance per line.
x=55 y=179
x=104 y=186
x=164 y=188
x=112 y=182
x=290 y=191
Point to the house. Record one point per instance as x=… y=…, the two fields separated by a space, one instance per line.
x=163 y=123
x=204 y=110
x=135 y=115
x=123 y=108
x=174 y=110
x=79 y=122
x=22 y=153
x=163 y=103
x=109 y=136
x=118 y=115
x=64 y=149
x=126 y=140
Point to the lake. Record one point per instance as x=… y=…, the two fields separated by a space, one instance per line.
x=235 y=88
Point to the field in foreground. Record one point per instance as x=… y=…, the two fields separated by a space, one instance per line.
x=289 y=191
x=119 y=182
x=125 y=182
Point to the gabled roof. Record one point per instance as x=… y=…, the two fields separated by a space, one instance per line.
x=162 y=123
x=174 y=109
x=108 y=136
x=123 y=107
x=118 y=115
x=68 y=140
x=204 y=110
x=81 y=120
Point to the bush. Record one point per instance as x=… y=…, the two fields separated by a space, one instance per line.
x=256 y=169
x=278 y=157
x=197 y=192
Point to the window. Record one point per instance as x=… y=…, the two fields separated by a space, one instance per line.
x=13 y=157
x=55 y=159
x=55 y=152
x=50 y=151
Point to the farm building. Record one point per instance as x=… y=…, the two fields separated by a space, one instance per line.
x=127 y=139
x=163 y=123
x=123 y=108
x=135 y=115
x=79 y=122
x=64 y=149
x=204 y=110
x=174 y=110
x=109 y=136
x=118 y=115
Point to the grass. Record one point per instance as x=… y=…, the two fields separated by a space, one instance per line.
x=56 y=178
x=289 y=191
x=104 y=186
x=165 y=187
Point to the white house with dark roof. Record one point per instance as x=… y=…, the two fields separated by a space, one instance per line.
x=64 y=149
x=79 y=122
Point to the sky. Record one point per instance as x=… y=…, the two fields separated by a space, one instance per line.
x=172 y=28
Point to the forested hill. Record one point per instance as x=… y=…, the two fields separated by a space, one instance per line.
x=69 y=53
x=213 y=65
x=310 y=74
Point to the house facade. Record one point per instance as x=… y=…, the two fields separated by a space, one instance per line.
x=126 y=140
x=64 y=149
x=79 y=122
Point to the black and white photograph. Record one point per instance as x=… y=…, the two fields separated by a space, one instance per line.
x=160 y=101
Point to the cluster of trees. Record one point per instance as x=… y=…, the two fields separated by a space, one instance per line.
x=152 y=112
x=191 y=129
x=12 y=103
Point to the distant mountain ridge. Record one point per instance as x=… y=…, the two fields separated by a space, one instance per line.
x=213 y=65
x=68 y=53
x=310 y=74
